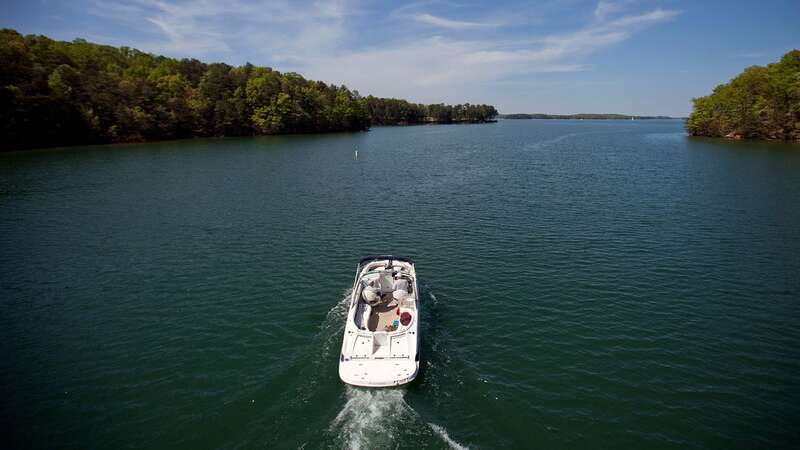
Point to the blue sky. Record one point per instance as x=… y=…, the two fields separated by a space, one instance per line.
x=569 y=56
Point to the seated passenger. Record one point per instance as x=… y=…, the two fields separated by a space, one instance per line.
x=400 y=288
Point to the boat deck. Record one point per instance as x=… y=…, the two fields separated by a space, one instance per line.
x=382 y=316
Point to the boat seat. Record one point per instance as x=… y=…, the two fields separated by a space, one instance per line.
x=369 y=294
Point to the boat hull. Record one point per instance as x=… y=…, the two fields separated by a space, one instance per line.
x=385 y=373
x=373 y=353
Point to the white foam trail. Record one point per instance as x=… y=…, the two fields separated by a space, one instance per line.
x=431 y=294
x=331 y=328
x=323 y=348
x=370 y=417
x=339 y=310
x=446 y=437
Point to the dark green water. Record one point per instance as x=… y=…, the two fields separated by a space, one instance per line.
x=586 y=284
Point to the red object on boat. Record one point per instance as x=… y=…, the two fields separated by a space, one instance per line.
x=405 y=318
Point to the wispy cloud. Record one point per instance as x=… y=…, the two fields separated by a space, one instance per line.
x=448 y=23
x=326 y=40
x=203 y=27
x=655 y=16
x=440 y=63
x=606 y=8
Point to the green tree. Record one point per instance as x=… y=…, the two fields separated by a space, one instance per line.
x=63 y=93
x=761 y=102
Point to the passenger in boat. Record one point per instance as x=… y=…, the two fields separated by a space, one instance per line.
x=400 y=287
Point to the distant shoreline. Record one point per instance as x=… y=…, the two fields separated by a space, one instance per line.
x=433 y=122
x=584 y=116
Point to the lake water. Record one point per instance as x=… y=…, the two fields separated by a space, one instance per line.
x=586 y=284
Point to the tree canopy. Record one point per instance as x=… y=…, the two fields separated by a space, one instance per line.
x=391 y=111
x=55 y=93
x=761 y=102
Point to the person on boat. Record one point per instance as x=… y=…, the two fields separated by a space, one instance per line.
x=400 y=287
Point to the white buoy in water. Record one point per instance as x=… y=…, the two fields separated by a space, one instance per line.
x=356 y=153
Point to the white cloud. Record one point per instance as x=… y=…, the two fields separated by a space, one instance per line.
x=605 y=9
x=448 y=23
x=325 y=40
x=655 y=16
x=435 y=65
x=204 y=27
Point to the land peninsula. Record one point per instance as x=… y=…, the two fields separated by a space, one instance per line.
x=57 y=93
x=760 y=103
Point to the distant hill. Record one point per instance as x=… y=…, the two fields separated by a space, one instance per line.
x=760 y=103
x=581 y=116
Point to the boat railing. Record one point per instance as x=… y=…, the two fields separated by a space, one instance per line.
x=389 y=257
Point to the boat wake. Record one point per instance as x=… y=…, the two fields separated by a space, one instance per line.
x=331 y=328
x=339 y=310
x=367 y=418
x=374 y=418
x=377 y=418
x=446 y=437
x=370 y=418
x=324 y=346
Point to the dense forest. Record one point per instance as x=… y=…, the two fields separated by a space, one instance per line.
x=55 y=93
x=389 y=111
x=580 y=116
x=761 y=103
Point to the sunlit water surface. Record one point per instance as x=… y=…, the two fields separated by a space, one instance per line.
x=587 y=284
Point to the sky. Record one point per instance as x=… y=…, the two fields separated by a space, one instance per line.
x=644 y=57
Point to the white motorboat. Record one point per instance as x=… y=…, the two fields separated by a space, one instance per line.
x=381 y=337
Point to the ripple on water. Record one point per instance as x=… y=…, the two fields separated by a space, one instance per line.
x=602 y=282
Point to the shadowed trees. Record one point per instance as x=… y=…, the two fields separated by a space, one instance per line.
x=55 y=93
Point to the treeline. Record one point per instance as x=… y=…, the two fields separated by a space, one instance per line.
x=762 y=103
x=55 y=93
x=581 y=116
x=391 y=111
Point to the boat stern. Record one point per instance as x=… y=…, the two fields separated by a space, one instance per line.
x=378 y=372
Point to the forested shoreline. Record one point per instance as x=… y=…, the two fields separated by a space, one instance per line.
x=760 y=103
x=390 y=111
x=57 y=93
x=581 y=116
